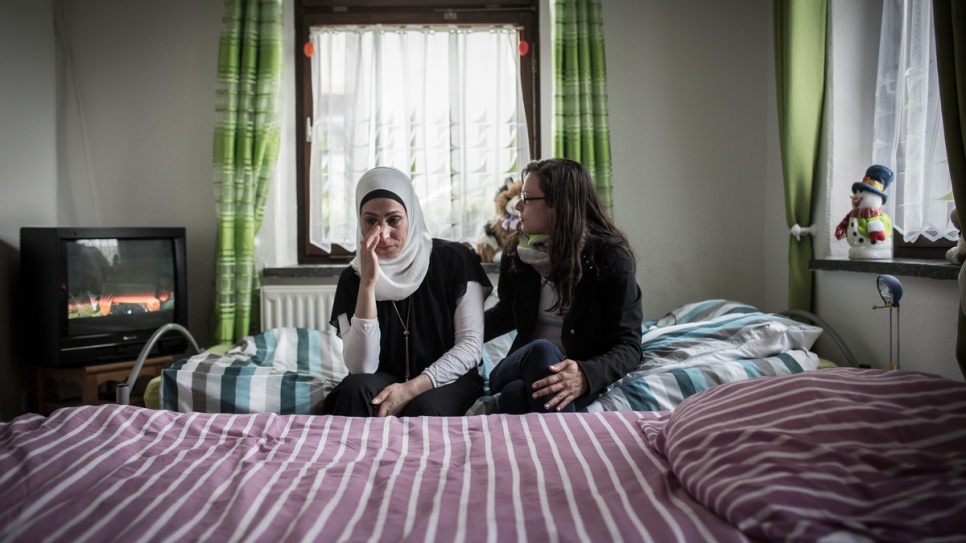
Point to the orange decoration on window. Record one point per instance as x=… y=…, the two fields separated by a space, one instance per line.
x=309 y=49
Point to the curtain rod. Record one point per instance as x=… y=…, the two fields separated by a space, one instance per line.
x=331 y=27
x=449 y=14
x=485 y=9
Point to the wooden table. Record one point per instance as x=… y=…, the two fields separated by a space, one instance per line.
x=90 y=378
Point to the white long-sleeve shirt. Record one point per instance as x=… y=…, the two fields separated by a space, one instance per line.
x=361 y=339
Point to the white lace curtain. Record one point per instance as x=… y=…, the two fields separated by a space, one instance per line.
x=908 y=131
x=443 y=104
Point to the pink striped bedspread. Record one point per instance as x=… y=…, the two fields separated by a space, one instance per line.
x=112 y=473
x=830 y=455
x=843 y=454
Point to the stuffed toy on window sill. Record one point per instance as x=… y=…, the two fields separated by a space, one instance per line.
x=506 y=221
x=957 y=255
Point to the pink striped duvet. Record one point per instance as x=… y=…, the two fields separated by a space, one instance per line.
x=835 y=455
x=832 y=455
x=112 y=473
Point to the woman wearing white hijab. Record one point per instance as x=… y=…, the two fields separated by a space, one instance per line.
x=409 y=309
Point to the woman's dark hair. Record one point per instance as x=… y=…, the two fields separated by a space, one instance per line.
x=580 y=223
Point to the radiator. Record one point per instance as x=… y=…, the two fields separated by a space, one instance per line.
x=301 y=306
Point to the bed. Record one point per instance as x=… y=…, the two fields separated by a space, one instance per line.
x=840 y=454
x=694 y=347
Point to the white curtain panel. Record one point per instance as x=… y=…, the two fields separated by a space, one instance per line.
x=443 y=104
x=908 y=130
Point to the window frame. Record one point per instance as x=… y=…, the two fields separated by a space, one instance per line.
x=309 y=13
x=922 y=248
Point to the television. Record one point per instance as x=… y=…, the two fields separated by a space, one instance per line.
x=96 y=295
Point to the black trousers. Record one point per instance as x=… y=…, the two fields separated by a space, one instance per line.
x=353 y=396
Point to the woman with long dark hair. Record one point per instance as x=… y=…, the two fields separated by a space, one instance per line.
x=568 y=287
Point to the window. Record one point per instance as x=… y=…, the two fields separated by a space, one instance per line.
x=395 y=88
x=908 y=131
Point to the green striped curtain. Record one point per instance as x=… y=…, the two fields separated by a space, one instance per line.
x=581 y=131
x=247 y=135
x=950 y=20
x=800 y=80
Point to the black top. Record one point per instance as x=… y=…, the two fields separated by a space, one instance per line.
x=601 y=330
x=433 y=306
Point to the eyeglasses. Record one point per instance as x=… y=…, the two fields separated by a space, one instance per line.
x=526 y=198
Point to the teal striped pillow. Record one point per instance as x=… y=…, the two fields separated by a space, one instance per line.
x=664 y=391
x=282 y=370
x=703 y=344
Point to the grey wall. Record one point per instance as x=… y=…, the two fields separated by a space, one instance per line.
x=28 y=170
x=691 y=90
x=106 y=119
x=136 y=123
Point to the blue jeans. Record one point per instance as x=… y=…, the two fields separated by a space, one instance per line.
x=514 y=376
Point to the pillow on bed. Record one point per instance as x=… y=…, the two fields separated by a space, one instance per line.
x=741 y=332
x=838 y=454
x=705 y=344
x=280 y=370
x=702 y=311
x=665 y=390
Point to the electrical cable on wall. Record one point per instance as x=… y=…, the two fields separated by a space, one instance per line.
x=85 y=149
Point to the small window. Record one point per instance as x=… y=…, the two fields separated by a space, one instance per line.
x=446 y=93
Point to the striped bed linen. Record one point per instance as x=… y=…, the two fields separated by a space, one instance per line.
x=694 y=347
x=730 y=336
x=122 y=473
x=665 y=389
x=702 y=311
x=842 y=454
x=282 y=370
x=704 y=344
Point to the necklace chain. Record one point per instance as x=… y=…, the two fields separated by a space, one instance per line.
x=405 y=325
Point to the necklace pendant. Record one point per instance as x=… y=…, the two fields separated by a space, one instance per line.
x=405 y=325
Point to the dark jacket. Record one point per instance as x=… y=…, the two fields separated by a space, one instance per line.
x=602 y=329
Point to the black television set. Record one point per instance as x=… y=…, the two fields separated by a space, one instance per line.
x=95 y=295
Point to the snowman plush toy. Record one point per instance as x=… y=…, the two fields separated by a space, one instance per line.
x=867 y=228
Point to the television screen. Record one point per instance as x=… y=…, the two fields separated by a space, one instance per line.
x=115 y=285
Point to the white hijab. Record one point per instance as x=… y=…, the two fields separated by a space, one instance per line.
x=402 y=274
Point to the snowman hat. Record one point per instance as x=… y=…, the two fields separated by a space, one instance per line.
x=877 y=179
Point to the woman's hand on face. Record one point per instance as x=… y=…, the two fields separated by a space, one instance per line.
x=566 y=384
x=368 y=261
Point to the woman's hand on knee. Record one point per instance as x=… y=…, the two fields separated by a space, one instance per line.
x=394 y=398
x=567 y=383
